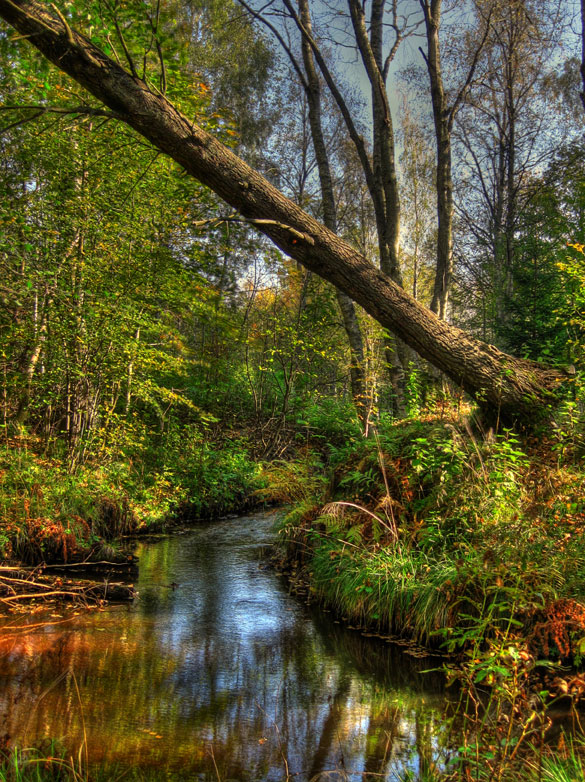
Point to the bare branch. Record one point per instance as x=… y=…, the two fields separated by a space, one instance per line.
x=258 y=15
x=39 y=111
x=471 y=73
x=122 y=40
x=65 y=24
x=154 y=27
x=354 y=135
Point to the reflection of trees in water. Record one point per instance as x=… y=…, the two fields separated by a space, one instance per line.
x=404 y=707
x=394 y=669
x=330 y=728
x=383 y=725
x=315 y=694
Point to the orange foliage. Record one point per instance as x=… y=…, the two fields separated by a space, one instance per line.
x=561 y=619
x=51 y=539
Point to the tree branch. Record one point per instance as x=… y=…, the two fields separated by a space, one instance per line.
x=357 y=139
x=40 y=111
x=262 y=19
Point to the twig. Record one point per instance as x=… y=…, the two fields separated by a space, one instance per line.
x=280 y=747
x=260 y=222
x=125 y=48
x=211 y=752
x=65 y=23
x=32 y=595
x=82 y=720
x=27 y=581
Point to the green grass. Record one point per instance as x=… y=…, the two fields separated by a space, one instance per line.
x=539 y=764
x=437 y=534
x=51 y=763
x=50 y=513
x=39 y=764
x=571 y=769
x=398 y=591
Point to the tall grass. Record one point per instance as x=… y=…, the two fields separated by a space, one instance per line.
x=40 y=765
x=400 y=591
x=48 y=513
x=439 y=527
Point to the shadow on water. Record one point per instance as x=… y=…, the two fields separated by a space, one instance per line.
x=218 y=673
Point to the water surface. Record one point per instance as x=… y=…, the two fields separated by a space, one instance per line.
x=218 y=673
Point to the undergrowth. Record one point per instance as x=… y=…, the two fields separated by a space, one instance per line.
x=51 y=763
x=51 y=513
x=469 y=542
x=420 y=528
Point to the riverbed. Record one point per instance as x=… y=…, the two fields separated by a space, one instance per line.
x=217 y=672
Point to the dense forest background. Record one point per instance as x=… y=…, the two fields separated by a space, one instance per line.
x=162 y=360
x=149 y=330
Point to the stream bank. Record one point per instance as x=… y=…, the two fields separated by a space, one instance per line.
x=55 y=520
x=429 y=530
x=467 y=542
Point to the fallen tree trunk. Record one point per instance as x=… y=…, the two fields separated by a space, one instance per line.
x=511 y=386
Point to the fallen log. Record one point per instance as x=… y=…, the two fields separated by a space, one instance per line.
x=130 y=563
x=129 y=567
x=26 y=586
x=33 y=595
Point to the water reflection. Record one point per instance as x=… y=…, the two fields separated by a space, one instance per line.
x=216 y=672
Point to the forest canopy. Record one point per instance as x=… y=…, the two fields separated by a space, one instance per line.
x=134 y=294
x=504 y=383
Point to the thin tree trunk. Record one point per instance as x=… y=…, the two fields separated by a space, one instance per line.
x=384 y=187
x=442 y=119
x=510 y=187
x=583 y=51
x=380 y=172
x=130 y=376
x=346 y=305
x=384 y=193
x=41 y=326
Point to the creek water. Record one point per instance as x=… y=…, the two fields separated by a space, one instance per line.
x=216 y=672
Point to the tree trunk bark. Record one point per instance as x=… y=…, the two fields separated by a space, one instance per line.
x=385 y=195
x=512 y=386
x=346 y=305
x=583 y=52
x=442 y=119
x=384 y=185
x=41 y=327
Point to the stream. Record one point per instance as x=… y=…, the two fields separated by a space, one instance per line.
x=216 y=673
